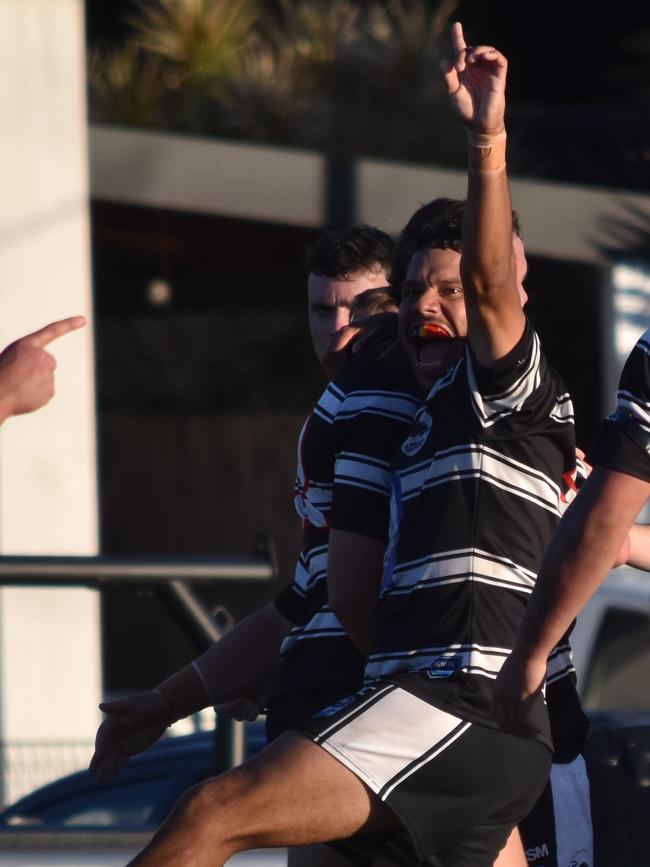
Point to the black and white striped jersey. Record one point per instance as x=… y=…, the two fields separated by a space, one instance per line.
x=623 y=442
x=477 y=494
x=343 y=482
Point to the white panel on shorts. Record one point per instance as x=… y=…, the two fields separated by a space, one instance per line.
x=392 y=738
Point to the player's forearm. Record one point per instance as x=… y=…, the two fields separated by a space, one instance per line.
x=360 y=626
x=487 y=264
x=494 y=308
x=354 y=568
x=639 y=554
x=240 y=664
x=580 y=555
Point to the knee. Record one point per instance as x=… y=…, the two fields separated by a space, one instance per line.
x=197 y=804
x=217 y=805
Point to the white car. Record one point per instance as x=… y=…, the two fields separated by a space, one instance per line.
x=611 y=644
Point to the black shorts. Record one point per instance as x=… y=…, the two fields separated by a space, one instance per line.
x=458 y=788
x=291 y=710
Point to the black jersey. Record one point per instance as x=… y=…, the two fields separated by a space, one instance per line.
x=623 y=442
x=343 y=482
x=476 y=497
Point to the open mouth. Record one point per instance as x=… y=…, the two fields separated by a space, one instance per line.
x=433 y=331
x=434 y=346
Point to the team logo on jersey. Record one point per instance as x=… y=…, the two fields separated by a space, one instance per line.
x=444 y=666
x=419 y=433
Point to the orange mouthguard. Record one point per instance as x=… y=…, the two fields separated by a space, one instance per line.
x=432 y=330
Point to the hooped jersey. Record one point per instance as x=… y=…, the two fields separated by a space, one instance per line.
x=343 y=482
x=477 y=494
x=623 y=442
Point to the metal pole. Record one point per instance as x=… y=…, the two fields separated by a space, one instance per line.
x=188 y=609
x=100 y=571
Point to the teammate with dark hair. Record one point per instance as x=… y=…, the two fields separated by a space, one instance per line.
x=341 y=264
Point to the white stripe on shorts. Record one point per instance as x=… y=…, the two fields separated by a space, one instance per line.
x=390 y=738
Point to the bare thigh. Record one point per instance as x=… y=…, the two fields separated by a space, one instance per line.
x=292 y=794
x=512 y=854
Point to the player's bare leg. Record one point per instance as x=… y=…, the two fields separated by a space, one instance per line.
x=512 y=854
x=292 y=794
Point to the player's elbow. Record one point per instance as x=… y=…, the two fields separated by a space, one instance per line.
x=343 y=604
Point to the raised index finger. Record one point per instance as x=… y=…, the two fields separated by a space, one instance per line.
x=51 y=332
x=458 y=45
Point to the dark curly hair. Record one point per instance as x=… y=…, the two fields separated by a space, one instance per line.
x=438 y=224
x=372 y=301
x=342 y=253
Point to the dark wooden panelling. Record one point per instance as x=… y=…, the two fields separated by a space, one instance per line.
x=177 y=484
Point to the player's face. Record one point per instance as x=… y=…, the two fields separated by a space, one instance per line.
x=432 y=318
x=329 y=303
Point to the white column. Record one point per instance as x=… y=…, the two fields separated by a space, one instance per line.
x=49 y=639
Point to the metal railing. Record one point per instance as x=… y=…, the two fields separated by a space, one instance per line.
x=173 y=581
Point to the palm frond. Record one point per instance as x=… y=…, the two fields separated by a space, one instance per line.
x=203 y=37
x=127 y=86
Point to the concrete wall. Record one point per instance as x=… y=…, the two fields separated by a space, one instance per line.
x=233 y=179
x=49 y=639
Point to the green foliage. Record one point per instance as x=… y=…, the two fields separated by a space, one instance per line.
x=127 y=86
x=350 y=78
x=203 y=39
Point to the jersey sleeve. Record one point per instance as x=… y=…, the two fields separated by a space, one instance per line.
x=519 y=393
x=503 y=389
x=293 y=602
x=370 y=427
x=623 y=442
x=290 y=603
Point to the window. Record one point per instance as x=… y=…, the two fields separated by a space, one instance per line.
x=620 y=670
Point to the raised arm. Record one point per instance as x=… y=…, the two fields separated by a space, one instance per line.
x=476 y=81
